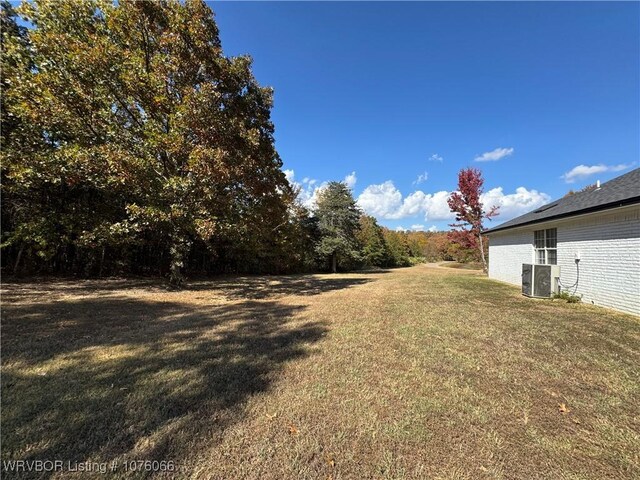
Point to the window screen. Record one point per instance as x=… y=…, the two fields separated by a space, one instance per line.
x=545 y=243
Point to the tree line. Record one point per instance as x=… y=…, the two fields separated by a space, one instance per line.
x=131 y=144
x=350 y=239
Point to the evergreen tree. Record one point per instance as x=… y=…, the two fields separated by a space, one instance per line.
x=338 y=216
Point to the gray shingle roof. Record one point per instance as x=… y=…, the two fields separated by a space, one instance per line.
x=622 y=190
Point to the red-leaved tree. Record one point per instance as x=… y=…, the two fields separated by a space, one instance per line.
x=470 y=212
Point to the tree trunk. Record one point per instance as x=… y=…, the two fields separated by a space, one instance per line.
x=15 y=266
x=484 y=261
x=334 y=262
x=101 y=261
x=180 y=247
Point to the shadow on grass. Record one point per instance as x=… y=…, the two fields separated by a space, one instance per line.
x=231 y=286
x=101 y=378
x=264 y=287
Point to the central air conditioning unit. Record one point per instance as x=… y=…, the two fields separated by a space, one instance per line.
x=540 y=280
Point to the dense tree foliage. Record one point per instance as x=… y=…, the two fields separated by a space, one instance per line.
x=375 y=251
x=437 y=246
x=398 y=245
x=470 y=212
x=131 y=133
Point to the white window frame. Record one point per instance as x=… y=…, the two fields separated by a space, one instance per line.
x=545 y=241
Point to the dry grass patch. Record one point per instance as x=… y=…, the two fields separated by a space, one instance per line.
x=416 y=373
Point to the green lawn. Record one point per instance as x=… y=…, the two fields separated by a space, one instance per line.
x=413 y=373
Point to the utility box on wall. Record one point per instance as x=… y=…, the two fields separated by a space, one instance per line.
x=540 y=280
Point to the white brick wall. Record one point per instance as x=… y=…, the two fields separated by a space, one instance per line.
x=609 y=248
x=507 y=252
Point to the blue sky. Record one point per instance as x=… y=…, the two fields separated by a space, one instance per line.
x=397 y=97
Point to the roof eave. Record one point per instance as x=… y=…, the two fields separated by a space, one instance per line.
x=597 y=208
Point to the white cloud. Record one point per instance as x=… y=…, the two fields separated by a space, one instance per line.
x=350 y=180
x=381 y=200
x=421 y=228
x=308 y=191
x=289 y=174
x=513 y=204
x=494 y=155
x=309 y=188
x=432 y=205
x=309 y=195
x=421 y=178
x=400 y=229
x=436 y=158
x=385 y=201
x=582 y=171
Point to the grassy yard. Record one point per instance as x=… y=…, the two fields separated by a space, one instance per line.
x=414 y=373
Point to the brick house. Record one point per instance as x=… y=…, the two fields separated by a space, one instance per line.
x=592 y=236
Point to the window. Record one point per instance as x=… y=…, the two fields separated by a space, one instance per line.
x=545 y=243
